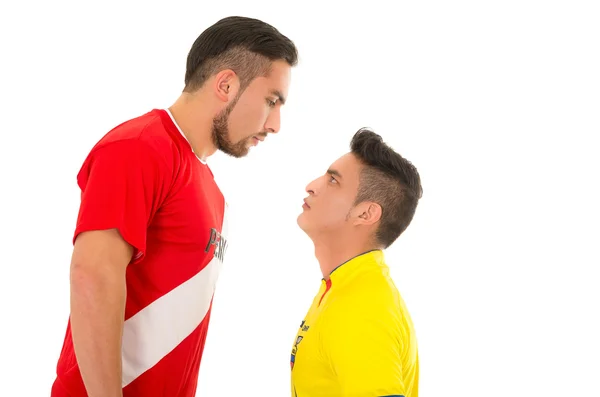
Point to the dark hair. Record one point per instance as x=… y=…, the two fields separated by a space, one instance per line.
x=388 y=179
x=245 y=45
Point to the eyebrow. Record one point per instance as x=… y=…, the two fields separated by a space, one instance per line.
x=279 y=96
x=335 y=173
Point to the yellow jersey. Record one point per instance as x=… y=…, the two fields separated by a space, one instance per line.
x=357 y=339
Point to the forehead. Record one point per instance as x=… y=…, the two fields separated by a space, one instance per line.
x=349 y=167
x=278 y=78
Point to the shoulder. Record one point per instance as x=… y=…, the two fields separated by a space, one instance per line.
x=372 y=285
x=370 y=297
x=145 y=138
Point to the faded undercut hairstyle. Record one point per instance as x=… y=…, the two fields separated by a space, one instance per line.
x=389 y=180
x=245 y=45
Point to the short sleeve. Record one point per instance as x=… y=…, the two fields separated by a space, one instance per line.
x=122 y=185
x=365 y=354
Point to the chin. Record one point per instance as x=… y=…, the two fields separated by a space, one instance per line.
x=301 y=221
x=237 y=153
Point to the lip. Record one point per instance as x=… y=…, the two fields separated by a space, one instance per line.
x=306 y=204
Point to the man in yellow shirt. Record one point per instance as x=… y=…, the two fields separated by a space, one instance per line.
x=357 y=339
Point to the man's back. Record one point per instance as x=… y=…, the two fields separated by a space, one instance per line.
x=357 y=337
x=143 y=179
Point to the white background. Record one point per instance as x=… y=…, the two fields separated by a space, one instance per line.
x=496 y=103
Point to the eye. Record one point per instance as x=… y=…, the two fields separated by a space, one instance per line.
x=332 y=179
x=271 y=103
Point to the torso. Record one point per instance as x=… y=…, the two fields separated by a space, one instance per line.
x=350 y=293
x=170 y=290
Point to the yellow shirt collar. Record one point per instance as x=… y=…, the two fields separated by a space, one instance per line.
x=367 y=259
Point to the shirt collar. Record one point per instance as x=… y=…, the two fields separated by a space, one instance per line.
x=373 y=258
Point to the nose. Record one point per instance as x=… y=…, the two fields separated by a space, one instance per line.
x=312 y=187
x=273 y=122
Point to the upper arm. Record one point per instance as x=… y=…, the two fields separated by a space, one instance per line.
x=122 y=185
x=364 y=350
x=102 y=251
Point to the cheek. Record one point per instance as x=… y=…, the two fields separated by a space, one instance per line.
x=336 y=209
x=248 y=118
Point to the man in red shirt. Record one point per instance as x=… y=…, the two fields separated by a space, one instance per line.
x=151 y=233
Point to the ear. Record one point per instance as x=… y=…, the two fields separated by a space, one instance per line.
x=226 y=85
x=368 y=213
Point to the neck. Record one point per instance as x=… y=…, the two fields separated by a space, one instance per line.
x=194 y=116
x=332 y=254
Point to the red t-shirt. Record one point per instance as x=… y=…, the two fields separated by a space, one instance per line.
x=144 y=179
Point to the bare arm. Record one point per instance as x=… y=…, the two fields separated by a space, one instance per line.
x=98 y=292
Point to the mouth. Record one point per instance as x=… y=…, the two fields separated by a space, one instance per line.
x=256 y=140
x=305 y=205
